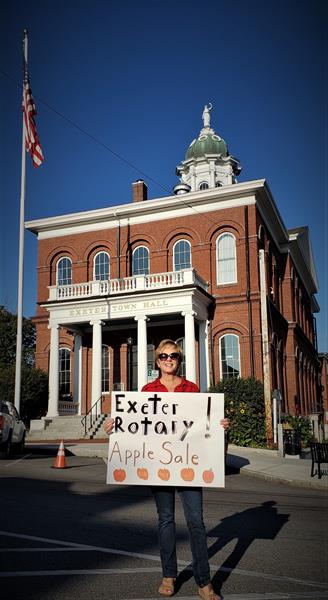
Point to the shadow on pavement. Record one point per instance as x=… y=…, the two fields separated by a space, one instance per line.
x=261 y=522
x=82 y=511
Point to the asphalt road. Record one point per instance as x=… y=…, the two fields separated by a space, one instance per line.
x=66 y=535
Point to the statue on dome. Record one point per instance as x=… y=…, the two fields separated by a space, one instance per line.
x=206 y=114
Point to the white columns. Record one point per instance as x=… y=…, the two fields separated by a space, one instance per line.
x=193 y=178
x=212 y=174
x=53 y=372
x=142 y=350
x=78 y=370
x=96 y=390
x=190 y=351
x=204 y=372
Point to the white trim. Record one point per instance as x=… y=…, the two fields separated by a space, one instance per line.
x=172 y=213
x=213 y=199
x=166 y=303
x=220 y=359
x=233 y=281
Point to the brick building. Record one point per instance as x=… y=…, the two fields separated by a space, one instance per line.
x=212 y=266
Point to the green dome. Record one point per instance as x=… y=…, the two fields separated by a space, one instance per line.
x=207 y=143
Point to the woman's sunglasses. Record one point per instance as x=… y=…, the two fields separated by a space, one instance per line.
x=173 y=356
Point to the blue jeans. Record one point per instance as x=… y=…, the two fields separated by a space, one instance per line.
x=192 y=502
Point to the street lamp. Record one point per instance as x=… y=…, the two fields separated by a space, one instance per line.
x=129 y=342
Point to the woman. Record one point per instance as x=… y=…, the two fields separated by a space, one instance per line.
x=168 y=357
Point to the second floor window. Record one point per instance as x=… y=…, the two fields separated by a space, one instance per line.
x=101 y=266
x=181 y=255
x=140 y=261
x=226 y=259
x=64 y=271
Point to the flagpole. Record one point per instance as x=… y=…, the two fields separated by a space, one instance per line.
x=19 y=336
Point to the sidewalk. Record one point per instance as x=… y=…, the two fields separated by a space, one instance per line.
x=256 y=462
x=269 y=465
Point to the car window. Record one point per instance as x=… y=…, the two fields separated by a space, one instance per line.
x=4 y=409
x=13 y=411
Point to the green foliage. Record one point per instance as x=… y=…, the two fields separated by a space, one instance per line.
x=302 y=425
x=244 y=406
x=34 y=382
x=34 y=389
x=8 y=329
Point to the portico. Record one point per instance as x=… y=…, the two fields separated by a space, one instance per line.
x=157 y=304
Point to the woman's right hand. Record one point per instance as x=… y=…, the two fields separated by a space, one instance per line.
x=109 y=426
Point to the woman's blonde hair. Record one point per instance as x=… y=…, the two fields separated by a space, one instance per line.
x=164 y=343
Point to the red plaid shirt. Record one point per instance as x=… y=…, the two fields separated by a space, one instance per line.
x=157 y=386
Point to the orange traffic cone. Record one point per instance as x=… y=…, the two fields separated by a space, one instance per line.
x=60 y=462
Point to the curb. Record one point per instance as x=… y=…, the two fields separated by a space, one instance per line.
x=275 y=478
x=263 y=472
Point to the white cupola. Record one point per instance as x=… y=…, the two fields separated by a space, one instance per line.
x=207 y=163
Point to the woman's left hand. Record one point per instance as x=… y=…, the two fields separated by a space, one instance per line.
x=225 y=424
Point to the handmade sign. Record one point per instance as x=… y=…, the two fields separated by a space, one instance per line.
x=167 y=439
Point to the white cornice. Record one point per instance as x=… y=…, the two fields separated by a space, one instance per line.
x=272 y=217
x=148 y=210
x=302 y=268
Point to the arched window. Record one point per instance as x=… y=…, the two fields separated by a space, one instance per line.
x=229 y=356
x=105 y=369
x=182 y=368
x=64 y=271
x=101 y=266
x=140 y=261
x=64 y=373
x=226 y=259
x=181 y=255
x=203 y=185
x=218 y=184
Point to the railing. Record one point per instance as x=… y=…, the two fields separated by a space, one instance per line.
x=66 y=407
x=92 y=415
x=136 y=283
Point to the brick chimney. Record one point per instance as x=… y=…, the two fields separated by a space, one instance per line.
x=139 y=191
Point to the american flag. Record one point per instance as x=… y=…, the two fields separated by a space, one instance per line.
x=32 y=143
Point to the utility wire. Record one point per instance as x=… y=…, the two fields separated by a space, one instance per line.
x=90 y=135
x=103 y=145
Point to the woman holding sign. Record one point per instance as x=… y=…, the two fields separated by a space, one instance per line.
x=168 y=357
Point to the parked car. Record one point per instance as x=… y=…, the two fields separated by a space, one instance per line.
x=12 y=429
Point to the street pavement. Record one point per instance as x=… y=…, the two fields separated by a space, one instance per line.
x=66 y=535
x=257 y=462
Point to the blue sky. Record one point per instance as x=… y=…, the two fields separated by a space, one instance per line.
x=136 y=75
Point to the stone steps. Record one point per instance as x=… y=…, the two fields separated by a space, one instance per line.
x=68 y=427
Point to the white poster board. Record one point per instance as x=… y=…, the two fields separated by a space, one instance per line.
x=167 y=439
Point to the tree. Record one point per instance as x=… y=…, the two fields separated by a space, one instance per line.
x=34 y=389
x=8 y=329
x=244 y=406
x=34 y=382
